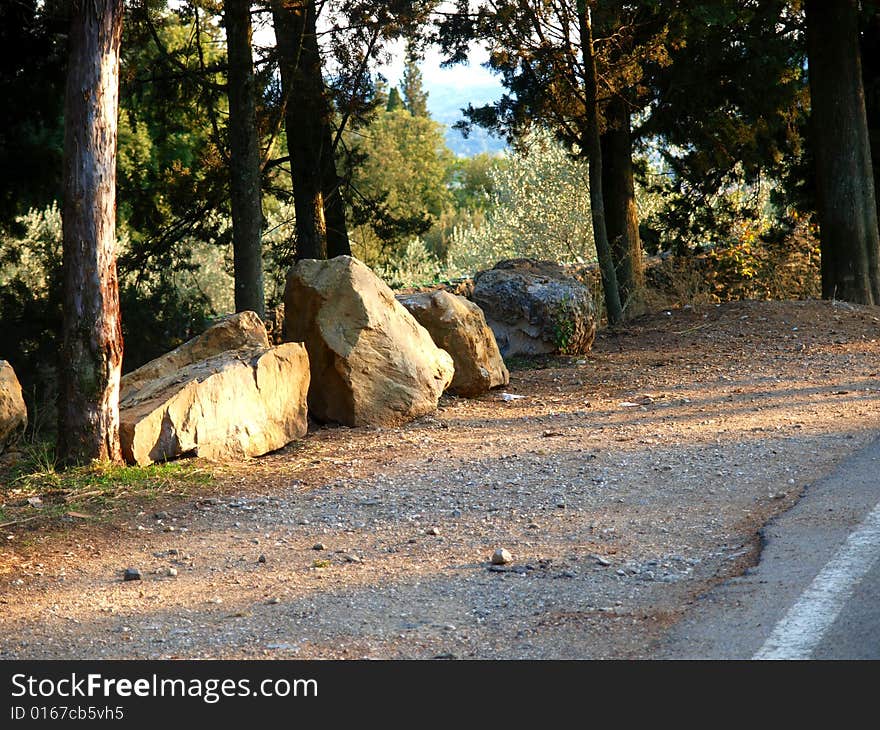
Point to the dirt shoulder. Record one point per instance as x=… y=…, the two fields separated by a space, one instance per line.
x=624 y=483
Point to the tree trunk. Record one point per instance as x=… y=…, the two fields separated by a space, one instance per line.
x=91 y=351
x=244 y=168
x=621 y=213
x=307 y=122
x=334 y=209
x=870 y=58
x=593 y=147
x=849 y=239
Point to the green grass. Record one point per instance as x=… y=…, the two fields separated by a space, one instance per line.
x=90 y=489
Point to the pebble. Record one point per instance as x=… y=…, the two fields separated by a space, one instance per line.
x=273 y=601
x=172 y=572
x=261 y=559
x=603 y=561
x=501 y=557
x=160 y=516
x=432 y=531
x=132 y=574
x=319 y=546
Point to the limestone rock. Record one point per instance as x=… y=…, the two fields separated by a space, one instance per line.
x=239 y=403
x=13 y=413
x=459 y=327
x=244 y=329
x=535 y=307
x=372 y=363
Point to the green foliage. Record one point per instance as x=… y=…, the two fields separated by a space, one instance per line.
x=401 y=183
x=538 y=207
x=172 y=174
x=415 y=266
x=30 y=300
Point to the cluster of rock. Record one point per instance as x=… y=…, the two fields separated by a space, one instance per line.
x=348 y=352
x=352 y=354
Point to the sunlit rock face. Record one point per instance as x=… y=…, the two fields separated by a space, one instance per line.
x=13 y=413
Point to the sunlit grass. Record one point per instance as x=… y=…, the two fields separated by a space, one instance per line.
x=35 y=488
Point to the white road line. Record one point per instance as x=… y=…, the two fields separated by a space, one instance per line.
x=802 y=628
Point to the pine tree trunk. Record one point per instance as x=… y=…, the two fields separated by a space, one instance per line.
x=244 y=168
x=593 y=146
x=91 y=351
x=618 y=191
x=307 y=120
x=849 y=239
x=870 y=58
x=334 y=209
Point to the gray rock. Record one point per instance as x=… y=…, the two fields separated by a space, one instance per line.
x=536 y=307
x=131 y=574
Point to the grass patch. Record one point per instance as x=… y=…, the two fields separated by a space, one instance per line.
x=33 y=489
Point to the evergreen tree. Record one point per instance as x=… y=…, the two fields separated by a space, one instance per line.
x=415 y=98
x=395 y=101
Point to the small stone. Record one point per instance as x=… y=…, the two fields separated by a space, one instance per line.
x=261 y=559
x=319 y=546
x=501 y=557
x=432 y=531
x=132 y=574
x=603 y=561
x=351 y=559
x=273 y=601
x=172 y=572
x=160 y=516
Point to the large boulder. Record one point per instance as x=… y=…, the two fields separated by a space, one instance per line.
x=13 y=413
x=372 y=363
x=244 y=329
x=459 y=327
x=240 y=403
x=535 y=307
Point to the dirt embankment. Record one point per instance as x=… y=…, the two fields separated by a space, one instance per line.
x=623 y=483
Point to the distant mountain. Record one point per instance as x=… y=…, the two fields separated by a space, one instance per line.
x=445 y=103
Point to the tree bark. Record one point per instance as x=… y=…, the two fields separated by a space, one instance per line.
x=320 y=212
x=91 y=351
x=618 y=192
x=334 y=209
x=870 y=59
x=849 y=240
x=593 y=147
x=244 y=168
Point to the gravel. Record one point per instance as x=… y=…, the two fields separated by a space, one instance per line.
x=662 y=500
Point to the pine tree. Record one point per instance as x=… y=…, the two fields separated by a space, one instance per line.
x=91 y=352
x=415 y=98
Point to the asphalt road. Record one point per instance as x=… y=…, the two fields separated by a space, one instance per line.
x=815 y=593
